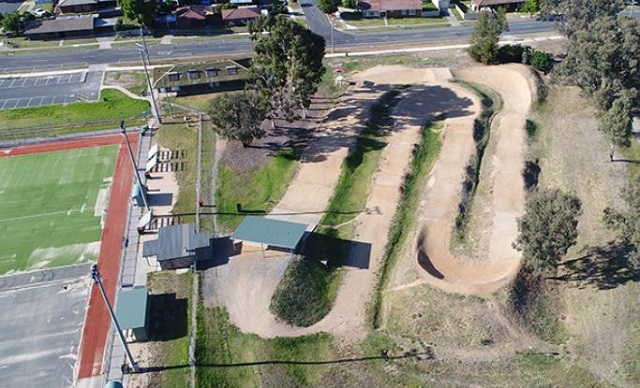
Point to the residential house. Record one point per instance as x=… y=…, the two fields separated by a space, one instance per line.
x=84 y=6
x=239 y=16
x=391 y=8
x=60 y=28
x=208 y=77
x=193 y=16
x=508 y=5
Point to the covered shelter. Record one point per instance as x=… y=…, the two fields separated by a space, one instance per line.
x=178 y=246
x=132 y=312
x=272 y=233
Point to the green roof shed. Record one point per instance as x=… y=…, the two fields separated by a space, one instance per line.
x=132 y=312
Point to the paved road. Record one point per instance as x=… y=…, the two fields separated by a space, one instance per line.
x=342 y=41
x=22 y=92
x=40 y=326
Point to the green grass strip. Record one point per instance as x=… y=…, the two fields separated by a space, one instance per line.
x=405 y=216
x=82 y=116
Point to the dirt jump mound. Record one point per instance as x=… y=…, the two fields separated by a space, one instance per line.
x=499 y=262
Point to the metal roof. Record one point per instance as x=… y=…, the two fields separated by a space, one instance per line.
x=176 y=241
x=280 y=234
x=70 y=24
x=131 y=310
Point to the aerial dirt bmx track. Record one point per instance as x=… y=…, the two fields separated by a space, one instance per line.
x=499 y=263
x=246 y=284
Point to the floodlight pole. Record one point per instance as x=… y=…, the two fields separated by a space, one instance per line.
x=95 y=276
x=332 y=45
x=135 y=166
x=143 y=49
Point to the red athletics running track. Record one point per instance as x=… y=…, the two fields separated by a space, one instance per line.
x=97 y=321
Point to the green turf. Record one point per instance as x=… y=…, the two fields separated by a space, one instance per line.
x=47 y=207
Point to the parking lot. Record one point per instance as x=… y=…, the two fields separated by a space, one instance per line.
x=41 y=325
x=23 y=92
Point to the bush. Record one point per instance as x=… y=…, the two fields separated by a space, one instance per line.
x=541 y=61
x=512 y=53
x=350 y=3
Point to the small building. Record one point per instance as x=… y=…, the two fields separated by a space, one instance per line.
x=84 y=6
x=508 y=5
x=239 y=16
x=178 y=246
x=60 y=28
x=192 y=16
x=132 y=312
x=391 y=8
x=207 y=77
x=270 y=233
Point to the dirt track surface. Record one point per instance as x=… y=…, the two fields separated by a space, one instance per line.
x=247 y=282
x=482 y=277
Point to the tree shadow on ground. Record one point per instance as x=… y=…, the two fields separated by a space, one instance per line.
x=427 y=354
x=605 y=267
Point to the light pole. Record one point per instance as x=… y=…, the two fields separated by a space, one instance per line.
x=332 y=45
x=135 y=167
x=142 y=49
x=95 y=276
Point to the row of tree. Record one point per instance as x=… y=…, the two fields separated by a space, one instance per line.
x=603 y=54
x=285 y=72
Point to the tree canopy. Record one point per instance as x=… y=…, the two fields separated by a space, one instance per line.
x=616 y=122
x=485 y=37
x=287 y=65
x=237 y=116
x=603 y=51
x=328 y=6
x=548 y=228
x=15 y=21
x=142 y=11
x=627 y=221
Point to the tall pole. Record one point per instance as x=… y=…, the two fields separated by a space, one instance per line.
x=144 y=43
x=333 y=50
x=95 y=276
x=146 y=72
x=135 y=166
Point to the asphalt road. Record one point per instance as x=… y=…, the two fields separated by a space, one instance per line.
x=343 y=41
x=22 y=92
x=40 y=326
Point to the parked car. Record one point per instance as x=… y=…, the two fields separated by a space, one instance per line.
x=39 y=12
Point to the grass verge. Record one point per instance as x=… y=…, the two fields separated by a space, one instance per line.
x=169 y=306
x=81 y=116
x=257 y=190
x=491 y=103
x=404 y=219
x=308 y=289
x=228 y=358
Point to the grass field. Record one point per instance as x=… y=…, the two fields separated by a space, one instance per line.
x=51 y=206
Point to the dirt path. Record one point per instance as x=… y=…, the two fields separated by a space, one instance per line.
x=246 y=283
x=506 y=199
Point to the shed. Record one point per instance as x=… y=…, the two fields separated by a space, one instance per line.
x=271 y=233
x=132 y=312
x=178 y=246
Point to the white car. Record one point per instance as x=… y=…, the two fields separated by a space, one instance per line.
x=39 y=12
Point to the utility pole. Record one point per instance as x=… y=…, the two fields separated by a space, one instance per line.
x=144 y=43
x=333 y=50
x=143 y=50
x=95 y=276
x=135 y=167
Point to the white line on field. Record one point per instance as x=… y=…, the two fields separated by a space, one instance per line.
x=39 y=215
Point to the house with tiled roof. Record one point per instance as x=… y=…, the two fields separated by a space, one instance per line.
x=509 y=5
x=391 y=8
x=239 y=16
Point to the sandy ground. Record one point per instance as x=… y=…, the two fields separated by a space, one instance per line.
x=506 y=198
x=246 y=283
